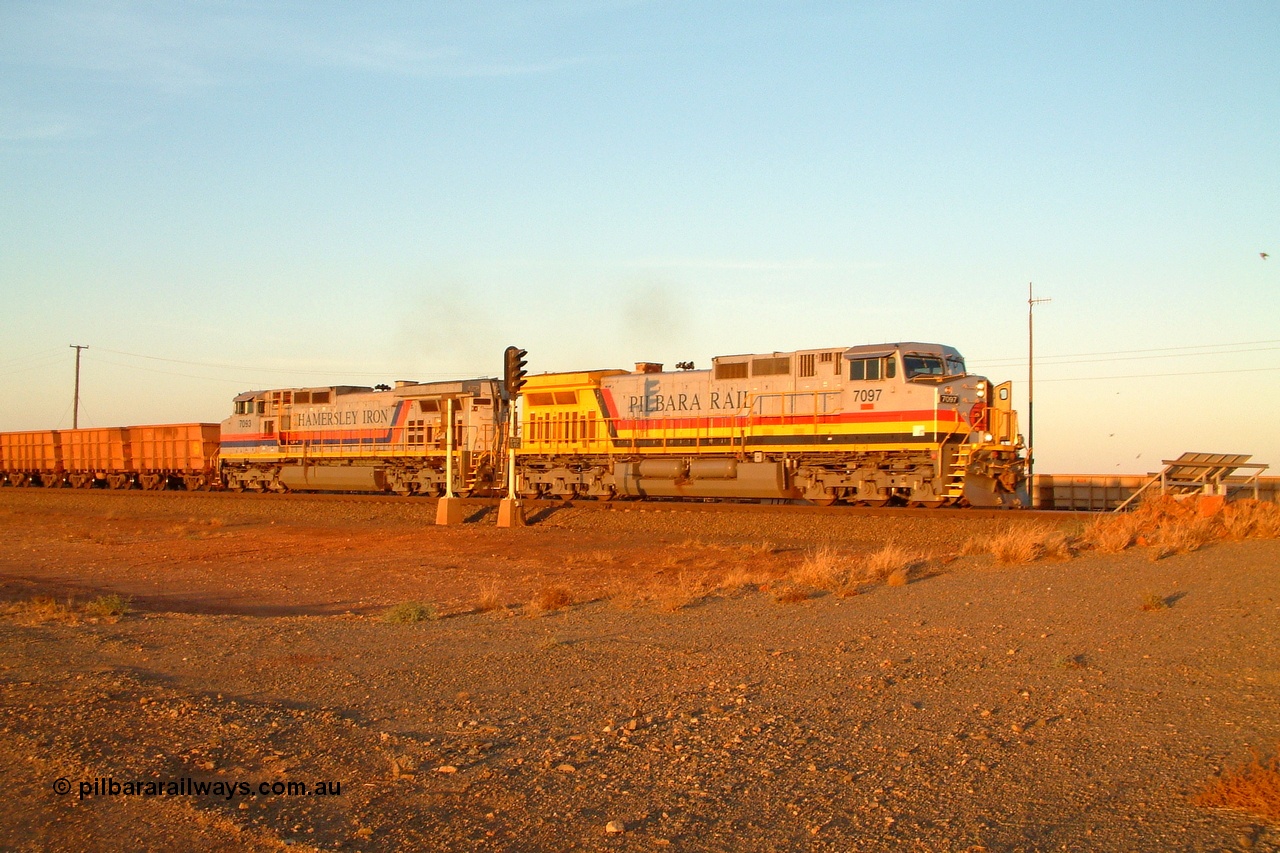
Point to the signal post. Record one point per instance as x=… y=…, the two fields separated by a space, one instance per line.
x=449 y=507
x=510 y=510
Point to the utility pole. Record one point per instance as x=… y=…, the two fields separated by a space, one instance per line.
x=1032 y=302
x=75 y=409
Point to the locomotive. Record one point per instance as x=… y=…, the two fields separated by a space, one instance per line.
x=901 y=422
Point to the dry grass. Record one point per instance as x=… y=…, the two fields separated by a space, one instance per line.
x=1024 y=543
x=891 y=564
x=551 y=598
x=824 y=568
x=665 y=592
x=1172 y=526
x=830 y=570
x=489 y=597
x=1112 y=534
x=685 y=590
x=42 y=608
x=1184 y=537
x=1250 y=519
x=1155 y=602
x=758 y=549
x=45 y=608
x=790 y=593
x=410 y=612
x=1252 y=787
x=109 y=608
x=743 y=576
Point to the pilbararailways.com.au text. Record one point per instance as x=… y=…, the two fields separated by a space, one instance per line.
x=188 y=787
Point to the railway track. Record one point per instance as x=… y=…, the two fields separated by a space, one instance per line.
x=536 y=510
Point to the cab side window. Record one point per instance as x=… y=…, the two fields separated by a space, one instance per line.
x=863 y=369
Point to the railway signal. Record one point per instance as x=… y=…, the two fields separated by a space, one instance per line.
x=510 y=511
x=513 y=370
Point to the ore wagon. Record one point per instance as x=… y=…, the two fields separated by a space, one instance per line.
x=31 y=458
x=165 y=455
x=98 y=456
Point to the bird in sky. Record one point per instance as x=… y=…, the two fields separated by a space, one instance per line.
x=1264 y=255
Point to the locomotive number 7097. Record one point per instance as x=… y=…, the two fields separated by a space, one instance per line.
x=869 y=395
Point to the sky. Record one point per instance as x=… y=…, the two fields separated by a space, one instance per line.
x=216 y=197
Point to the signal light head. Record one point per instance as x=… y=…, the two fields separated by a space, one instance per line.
x=513 y=370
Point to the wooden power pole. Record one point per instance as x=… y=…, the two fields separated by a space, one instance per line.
x=75 y=408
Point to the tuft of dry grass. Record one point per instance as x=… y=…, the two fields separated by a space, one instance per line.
x=824 y=568
x=109 y=608
x=1250 y=519
x=685 y=590
x=1172 y=526
x=1253 y=787
x=1154 y=602
x=740 y=576
x=1023 y=543
x=43 y=608
x=1027 y=543
x=888 y=562
x=758 y=549
x=790 y=593
x=410 y=612
x=489 y=597
x=830 y=570
x=551 y=598
x=1183 y=537
x=1112 y=534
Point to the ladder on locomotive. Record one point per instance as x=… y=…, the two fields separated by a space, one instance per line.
x=957 y=471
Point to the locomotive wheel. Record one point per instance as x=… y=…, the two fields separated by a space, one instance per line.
x=825 y=500
x=874 y=503
x=932 y=503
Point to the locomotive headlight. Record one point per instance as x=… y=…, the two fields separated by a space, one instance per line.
x=982 y=392
x=987 y=437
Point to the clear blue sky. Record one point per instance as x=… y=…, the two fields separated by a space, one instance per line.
x=217 y=197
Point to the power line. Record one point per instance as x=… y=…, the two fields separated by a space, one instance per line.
x=1159 y=375
x=235 y=382
x=259 y=369
x=1256 y=346
x=42 y=355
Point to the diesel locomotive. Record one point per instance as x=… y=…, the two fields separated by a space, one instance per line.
x=902 y=422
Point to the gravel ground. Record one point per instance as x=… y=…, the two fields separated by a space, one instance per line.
x=979 y=707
